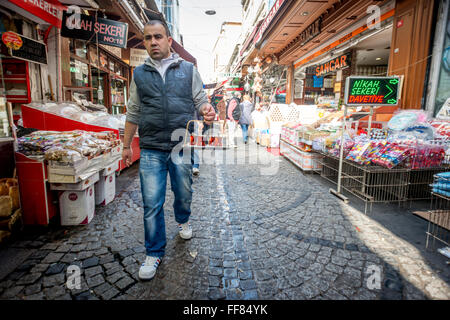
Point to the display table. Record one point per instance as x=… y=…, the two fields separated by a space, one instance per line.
x=307 y=161
x=37 y=119
x=375 y=184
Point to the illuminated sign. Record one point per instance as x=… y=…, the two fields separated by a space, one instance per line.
x=372 y=91
x=338 y=63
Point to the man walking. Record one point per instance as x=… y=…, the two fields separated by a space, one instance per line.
x=164 y=94
x=233 y=113
x=245 y=120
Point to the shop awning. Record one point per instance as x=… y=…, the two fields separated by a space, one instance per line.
x=43 y=11
x=178 y=48
x=209 y=86
x=221 y=84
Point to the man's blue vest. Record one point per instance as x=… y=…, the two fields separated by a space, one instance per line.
x=165 y=105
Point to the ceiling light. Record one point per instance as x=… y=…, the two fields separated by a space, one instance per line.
x=285 y=34
x=305 y=13
x=378 y=59
x=210 y=12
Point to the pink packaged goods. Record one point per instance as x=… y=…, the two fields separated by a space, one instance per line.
x=425 y=156
x=373 y=151
x=392 y=155
x=357 y=152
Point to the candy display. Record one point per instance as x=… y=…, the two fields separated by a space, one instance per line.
x=391 y=155
x=70 y=146
x=409 y=140
x=378 y=134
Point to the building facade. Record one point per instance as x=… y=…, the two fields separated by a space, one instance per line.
x=171 y=11
x=372 y=38
x=224 y=48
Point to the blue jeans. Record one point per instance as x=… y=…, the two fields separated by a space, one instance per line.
x=153 y=169
x=245 y=131
x=195 y=159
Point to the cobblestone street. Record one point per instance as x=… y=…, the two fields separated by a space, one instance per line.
x=281 y=236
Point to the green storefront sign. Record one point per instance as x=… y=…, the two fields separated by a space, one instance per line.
x=372 y=91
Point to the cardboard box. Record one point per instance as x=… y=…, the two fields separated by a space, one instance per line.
x=105 y=189
x=117 y=151
x=79 y=186
x=110 y=169
x=77 y=207
x=68 y=168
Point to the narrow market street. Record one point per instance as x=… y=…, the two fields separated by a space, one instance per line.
x=276 y=236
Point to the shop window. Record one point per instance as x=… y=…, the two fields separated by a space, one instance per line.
x=78 y=47
x=93 y=57
x=103 y=60
x=118 y=69
x=79 y=73
x=118 y=95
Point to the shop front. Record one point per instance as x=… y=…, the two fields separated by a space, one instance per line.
x=323 y=78
x=94 y=75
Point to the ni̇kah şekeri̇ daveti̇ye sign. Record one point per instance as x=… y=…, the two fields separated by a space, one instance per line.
x=372 y=91
x=79 y=26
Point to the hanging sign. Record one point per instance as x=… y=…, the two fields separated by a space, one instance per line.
x=138 y=57
x=372 y=91
x=80 y=26
x=338 y=63
x=310 y=32
x=230 y=75
x=24 y=48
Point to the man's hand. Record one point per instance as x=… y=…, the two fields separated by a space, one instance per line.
x=126 y=156
x=208 y=113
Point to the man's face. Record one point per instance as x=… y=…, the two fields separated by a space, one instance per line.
x=156 y=41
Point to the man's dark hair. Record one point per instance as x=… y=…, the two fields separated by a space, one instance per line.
x=155 y=22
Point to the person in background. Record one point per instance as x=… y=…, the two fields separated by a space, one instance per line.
x=245 y=120
x=222 y=114
x=233 y=113
x=165 y=91
x=259 y=120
